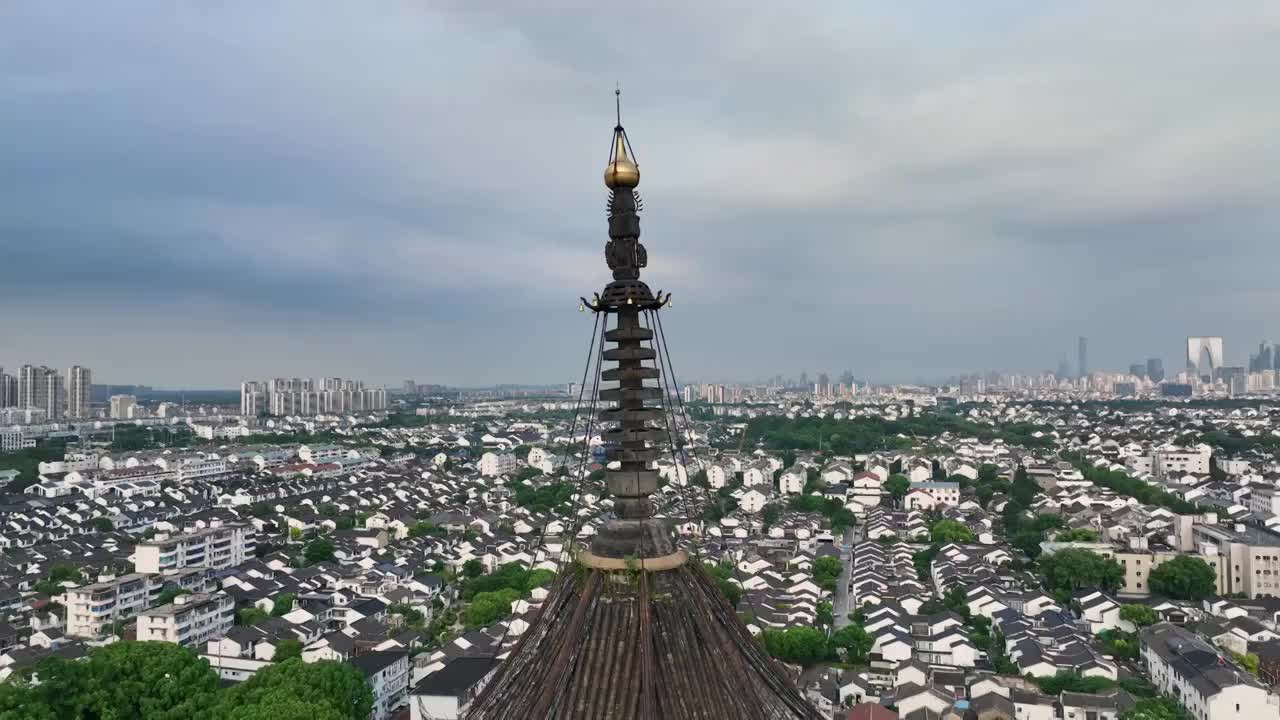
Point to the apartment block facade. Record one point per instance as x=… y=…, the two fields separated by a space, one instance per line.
x=217 y=547
x=190 y=620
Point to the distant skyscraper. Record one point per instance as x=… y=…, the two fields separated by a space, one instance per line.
x=42 y=388
x=1197 y=347
x=1082 y=350
x=1263 y=360
x=8 y=391
x=78 y=381
x=123 y=406
x=1155 y=369
x=1064 y=370
x=1137 y=369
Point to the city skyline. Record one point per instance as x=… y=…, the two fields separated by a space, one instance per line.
x=988 y=192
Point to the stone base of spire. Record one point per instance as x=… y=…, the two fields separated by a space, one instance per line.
x=648 y=538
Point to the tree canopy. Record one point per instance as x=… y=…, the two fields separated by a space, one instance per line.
x=1069 y=570
x=897 y=486
x=162 y=681
x=1140 y=615
x=945 y=531
x=826 y=571
x=1185 y=577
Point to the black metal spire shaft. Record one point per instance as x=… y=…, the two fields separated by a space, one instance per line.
x=636 y=438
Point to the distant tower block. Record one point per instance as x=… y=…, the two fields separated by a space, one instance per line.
x=1196 y=349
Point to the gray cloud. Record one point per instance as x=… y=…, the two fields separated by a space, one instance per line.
x=412 y=189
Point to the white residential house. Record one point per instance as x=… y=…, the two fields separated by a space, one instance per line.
x=791 y=481
x=1210 y=687
x=757 y=474
x=753 y=501
x=866 y=489
x=718 y=476
x=387 y=672
x=447 y=693
x=944 y=494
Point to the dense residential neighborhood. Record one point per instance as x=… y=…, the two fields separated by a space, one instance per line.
x=998 y=559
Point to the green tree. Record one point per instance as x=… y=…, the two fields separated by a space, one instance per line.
x=1024 y=490
x=287 y=649
x=486 y=608
x=1072 y=682
x=723 y=574
x=473 y=568
x=1076 y=535
x=412 y=616
x=423 y=528
x=1157 y=708
x=824 y=615
x=826 y=571
x=168 y=594
x=898 y=486
x=249 y=616
x=1140 y=615
x=58 y=574
x=318 y=551
x=771 y=513
x=332 y=688
x=102 y=524
x=855 y=642
x=1185 y=577
x=1069 y=570
x=283 y=604
x=1248 y=661
x=945 y=531
x=798 y=645
x=146 y=680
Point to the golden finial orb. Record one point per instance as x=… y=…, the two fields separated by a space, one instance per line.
x=621 y=172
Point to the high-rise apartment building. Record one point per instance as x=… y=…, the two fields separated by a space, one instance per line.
x=123 y=407
x=79 y=379
x=32 y=387
x=55 y=393
x=42 y=388
x=297 y=396
x=1155 y=369
x=1082 y=351
x=8 y=390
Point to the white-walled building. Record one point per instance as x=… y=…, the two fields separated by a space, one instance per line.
x=216 y=547
x=387 y=673
x=1209 y=686
x=92 y=608
x=190 y=620
x=447 y=693
x=494 y=464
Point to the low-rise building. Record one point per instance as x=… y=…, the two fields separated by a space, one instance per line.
x=91 y=609
x=1184 y=666
x=222 y=546
x=387 y=673
x=190 y=620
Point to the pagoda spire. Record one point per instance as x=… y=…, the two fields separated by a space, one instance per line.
x=633 y=440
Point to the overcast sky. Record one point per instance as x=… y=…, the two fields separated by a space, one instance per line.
x=198 y=192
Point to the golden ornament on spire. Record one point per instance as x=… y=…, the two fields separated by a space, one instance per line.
x=622 y=171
